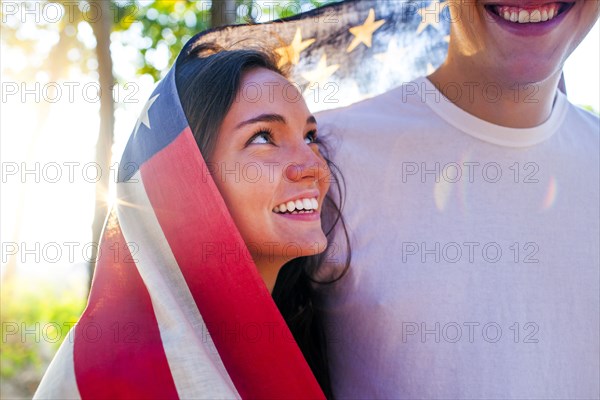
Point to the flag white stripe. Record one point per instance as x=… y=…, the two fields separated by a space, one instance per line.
x=194 y=361
x=59 y=380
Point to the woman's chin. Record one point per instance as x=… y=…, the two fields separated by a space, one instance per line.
x=303 y=246
x=284 y=250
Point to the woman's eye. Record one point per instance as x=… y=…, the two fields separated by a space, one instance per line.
x=311 y=137
x=262 y=137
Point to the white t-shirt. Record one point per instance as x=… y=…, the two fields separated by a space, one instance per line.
x=475 y=270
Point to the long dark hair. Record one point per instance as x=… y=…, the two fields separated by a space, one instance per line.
x=208 y=78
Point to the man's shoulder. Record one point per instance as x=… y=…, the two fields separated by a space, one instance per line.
x=585 y=115
x=399 y=101
x=583 y=121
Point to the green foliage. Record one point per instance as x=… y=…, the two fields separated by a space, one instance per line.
x=153 y=28
x=170 y=24
x=35 y=320
x=290 y=8
x=163 y=24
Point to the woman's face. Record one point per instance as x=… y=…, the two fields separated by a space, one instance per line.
x=269 y=170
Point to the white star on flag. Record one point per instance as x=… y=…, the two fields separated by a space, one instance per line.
x=431 y=16
x=144 y=118
x=395 y=53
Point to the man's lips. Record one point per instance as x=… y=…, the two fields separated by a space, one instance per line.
x=529 y=13
x=522 y=24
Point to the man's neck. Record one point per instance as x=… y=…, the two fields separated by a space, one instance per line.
x=511 y=105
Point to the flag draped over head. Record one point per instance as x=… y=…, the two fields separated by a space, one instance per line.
x=177 y=308
x=348 y=51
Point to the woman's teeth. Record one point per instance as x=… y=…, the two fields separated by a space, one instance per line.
x=523 y=16
x=300 y=206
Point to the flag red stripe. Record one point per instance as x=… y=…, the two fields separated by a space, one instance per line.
x=118 y=352
x=252 y=338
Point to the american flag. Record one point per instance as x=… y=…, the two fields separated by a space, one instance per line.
x=348 y=51
x=177 y=308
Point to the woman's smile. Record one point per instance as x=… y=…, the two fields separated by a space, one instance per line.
x=302 y=207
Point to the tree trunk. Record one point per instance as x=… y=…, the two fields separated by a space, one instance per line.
x=223 y=12
x=102 y=28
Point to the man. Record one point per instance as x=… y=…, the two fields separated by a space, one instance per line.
x=473 y=199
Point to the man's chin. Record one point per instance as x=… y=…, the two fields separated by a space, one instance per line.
x=517 y=75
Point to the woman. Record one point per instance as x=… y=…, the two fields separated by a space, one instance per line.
x=280 y=185
x=183 y=309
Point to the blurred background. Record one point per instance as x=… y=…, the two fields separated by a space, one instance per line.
x=62 y=137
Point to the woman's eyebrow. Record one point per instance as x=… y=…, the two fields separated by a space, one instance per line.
x=262 y=118
x=271 y=118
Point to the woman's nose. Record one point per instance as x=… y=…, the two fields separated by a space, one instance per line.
x=308 y=164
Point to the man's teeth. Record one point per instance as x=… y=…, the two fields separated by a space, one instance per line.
x=516 y=14
x=300 y=206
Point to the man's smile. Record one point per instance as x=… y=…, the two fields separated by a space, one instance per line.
x=531 y=13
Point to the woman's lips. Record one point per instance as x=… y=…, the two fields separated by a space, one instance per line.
x=302 y=203
x=312 y=215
